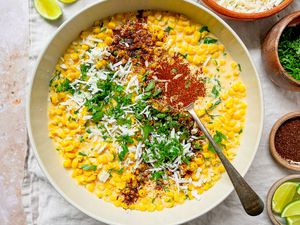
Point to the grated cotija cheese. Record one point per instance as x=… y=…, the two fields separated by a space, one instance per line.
x=249 y=6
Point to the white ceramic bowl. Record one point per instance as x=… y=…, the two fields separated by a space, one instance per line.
x=50 y=161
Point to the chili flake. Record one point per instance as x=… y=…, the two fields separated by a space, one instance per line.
x=179 y=85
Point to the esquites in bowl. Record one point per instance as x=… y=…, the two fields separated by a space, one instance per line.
x=110 y=114
x=115 y=112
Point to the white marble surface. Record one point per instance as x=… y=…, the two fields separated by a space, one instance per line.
x=14 y=41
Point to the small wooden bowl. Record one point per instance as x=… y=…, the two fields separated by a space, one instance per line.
x=270 y=54
x=272 y=148
x=229 y=14
x=275 y=219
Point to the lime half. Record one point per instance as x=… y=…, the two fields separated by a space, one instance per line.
x=293 y=220
x=283 y=195
x=292 y=209
x=49 y=9
x=68 y=1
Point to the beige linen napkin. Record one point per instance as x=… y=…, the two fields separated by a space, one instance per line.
x=44 y=206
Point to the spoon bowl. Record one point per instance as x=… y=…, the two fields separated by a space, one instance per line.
x=252 y=203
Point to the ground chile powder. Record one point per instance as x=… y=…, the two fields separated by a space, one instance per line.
x=287 y=140
x=178 y=83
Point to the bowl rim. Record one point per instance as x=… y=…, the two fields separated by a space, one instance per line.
x=272 y=148
x=285 y=21
x=271 y=192
x=32 y=139
x=246 y=16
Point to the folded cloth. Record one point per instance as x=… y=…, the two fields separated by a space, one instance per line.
x=44 y=206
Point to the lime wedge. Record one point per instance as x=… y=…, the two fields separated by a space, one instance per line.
x=68 y=1
x=293 y=220
x=283 y=195
x=298 y=189
x=49 y=9
x=292 y=209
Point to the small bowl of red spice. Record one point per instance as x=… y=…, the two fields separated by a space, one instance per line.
x=285 y=141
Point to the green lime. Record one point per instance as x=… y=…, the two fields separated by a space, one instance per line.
x=292 y=209
x=283 y=195
x=49 y=9
x=293 y=220
x=298 y=189
x=68 y=1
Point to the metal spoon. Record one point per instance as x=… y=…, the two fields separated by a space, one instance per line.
x=251 y=202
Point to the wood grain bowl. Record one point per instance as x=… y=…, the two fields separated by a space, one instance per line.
x=272 y=148
x=230 y=14
x=270 y=54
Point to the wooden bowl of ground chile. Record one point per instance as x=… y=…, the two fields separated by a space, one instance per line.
x=281 y=54
x=285 y=141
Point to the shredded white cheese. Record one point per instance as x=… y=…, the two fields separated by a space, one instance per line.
x=249 y=6
x=103 y=176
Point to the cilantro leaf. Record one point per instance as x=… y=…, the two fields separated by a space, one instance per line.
x=84 y=68
x=65 y=87
x=204 y=28
x=215 y=92
x=150 y=86
x=147 y=129
x=88 y=167
x=123 y=153
x=82 y=154
x=209 y=40
x=157 y=175
x=113 y=170
x=218 y=138
x=168 y=29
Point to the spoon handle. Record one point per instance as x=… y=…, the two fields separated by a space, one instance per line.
x=251 y=202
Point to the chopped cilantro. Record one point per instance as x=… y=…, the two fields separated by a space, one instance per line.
x=54 y=77
x=204 y=28
x=157 y=92
x=240 y=68
x=123 y=153
x=187 y=84
x=147 y=129
x=65 y=87
x=168 y=29
x=113 y=170
x=214 y=105
x=82 y=154
x=88 y=167
x=88 y=131
x=157 y=175
x=185 y=55
x=150 y=86
x=84 y=68
x=218 y=138
x=209 y=40
x=215 y=92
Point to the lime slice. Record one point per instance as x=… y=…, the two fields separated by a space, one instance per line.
x=293 y=220
x=49 y=9
x=292 y=209
x=298 y=189
x=68 y=1
x=283 y=195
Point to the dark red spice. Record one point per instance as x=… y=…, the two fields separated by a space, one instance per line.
x=287 y=140
x=130 y=192
x=133 y=40
x=179 y=85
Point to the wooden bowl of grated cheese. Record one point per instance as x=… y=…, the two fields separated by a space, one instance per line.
x=247 y=10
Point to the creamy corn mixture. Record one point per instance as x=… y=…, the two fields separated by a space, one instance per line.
x=119 y=126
